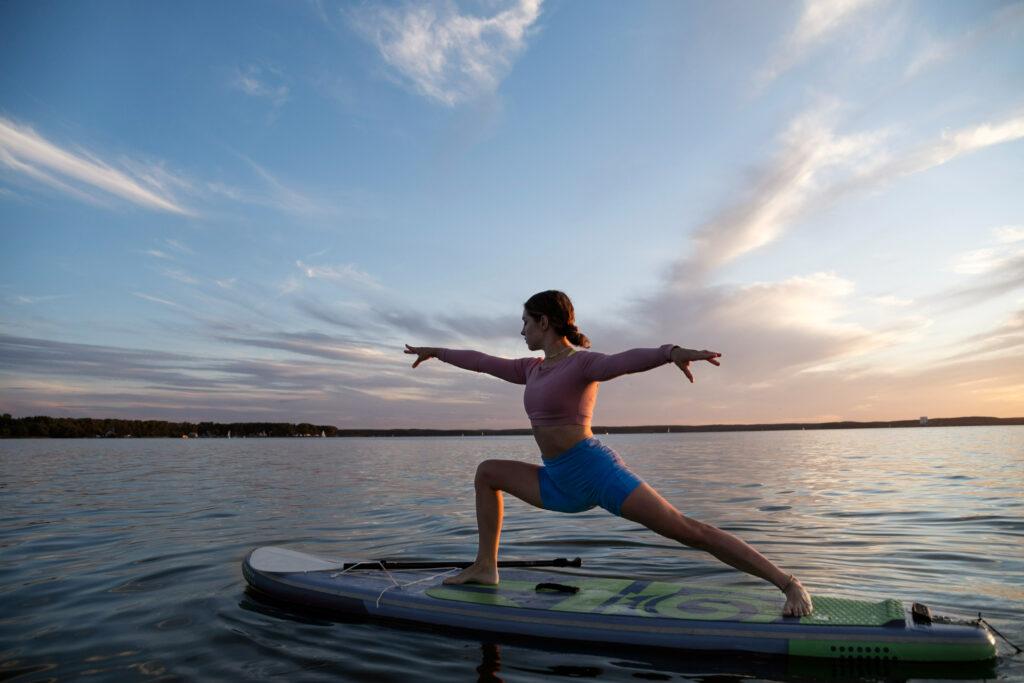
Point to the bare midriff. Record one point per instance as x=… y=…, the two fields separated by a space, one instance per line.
x=556 y=439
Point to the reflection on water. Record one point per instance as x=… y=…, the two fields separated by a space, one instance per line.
x=120 y=559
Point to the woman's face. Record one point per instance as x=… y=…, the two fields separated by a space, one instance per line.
x=532 y=332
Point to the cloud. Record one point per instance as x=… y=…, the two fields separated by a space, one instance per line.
x=24 y=300
x=180 y=276
x=819 y=20
x=1007 y=336
x=86 y=177
x=937 y=51
x=992 y=272
x=993 y=278
x=355 y=317
x=40 y=356
x=271 y=193
x=343 y=273
x=890 y=300
x=965 y=141
x=25 y=152
x=320 y=346
x=480 y=327
x=178 y=246
x=257 y=81
x=1009 y=233
x=980 y=261
x=158 y=300
x=778 y=192
x=767 y=331
x=60 y=378
x=814 y=168
x=446 y=56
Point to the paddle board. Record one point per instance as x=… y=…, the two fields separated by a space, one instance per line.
x=622 y=611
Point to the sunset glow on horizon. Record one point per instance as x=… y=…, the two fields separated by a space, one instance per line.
x=244 y=211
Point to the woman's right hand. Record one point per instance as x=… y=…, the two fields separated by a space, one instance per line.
x=422 y=353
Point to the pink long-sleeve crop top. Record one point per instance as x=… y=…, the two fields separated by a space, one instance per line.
x=563 y=393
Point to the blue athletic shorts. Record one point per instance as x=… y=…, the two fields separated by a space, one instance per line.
x=586 y=475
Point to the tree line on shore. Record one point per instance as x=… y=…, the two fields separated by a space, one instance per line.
x=41 y=426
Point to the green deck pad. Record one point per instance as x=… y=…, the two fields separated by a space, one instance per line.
x=846 y=612
x=670 y=600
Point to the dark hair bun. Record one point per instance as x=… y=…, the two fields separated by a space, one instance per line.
x=558 y=308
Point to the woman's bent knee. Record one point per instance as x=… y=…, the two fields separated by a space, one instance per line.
x=485 y=473
x=495 y=474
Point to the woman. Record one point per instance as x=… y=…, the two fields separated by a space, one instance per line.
x=578 y=471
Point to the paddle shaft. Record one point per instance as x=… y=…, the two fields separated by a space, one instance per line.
x=439 y=564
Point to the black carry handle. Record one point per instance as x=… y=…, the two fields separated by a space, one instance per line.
x=440 y=564
x=557 y=587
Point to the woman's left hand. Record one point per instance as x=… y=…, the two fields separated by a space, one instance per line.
x=682 y=357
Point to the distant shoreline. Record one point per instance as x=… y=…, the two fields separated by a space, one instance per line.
x=69 y=428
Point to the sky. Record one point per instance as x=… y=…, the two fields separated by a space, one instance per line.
x=241 y=211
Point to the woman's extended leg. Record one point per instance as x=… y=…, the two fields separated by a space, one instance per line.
x=645 y=506
x=492 y=477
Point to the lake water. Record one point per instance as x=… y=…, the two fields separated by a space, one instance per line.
x=121 y=559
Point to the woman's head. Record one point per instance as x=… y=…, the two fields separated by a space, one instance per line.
x=557 y=308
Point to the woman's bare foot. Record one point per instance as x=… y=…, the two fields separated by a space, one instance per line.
x=798 y=600
x=475 y=573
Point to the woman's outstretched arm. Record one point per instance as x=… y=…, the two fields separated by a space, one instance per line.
x=600 y=367
x=503 y=368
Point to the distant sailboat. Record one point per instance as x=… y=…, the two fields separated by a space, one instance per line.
x=229 y=433
x=323 y=434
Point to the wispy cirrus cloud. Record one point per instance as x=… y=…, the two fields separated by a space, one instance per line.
x=1008 y=336
x=446 y=56
x=84 y=175
x=261 y=82
x=341 y=273
x=28 y=300
x=937 y=51
x=814 y=168
x=179 y=246
x=318 y=345
x=179 y=276
x=158 y=300
x=819 y=20
x=991 y=273
x=779 y=192
x=957 y=143
x=270 y=192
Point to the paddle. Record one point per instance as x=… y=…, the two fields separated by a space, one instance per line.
x=438 y=564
